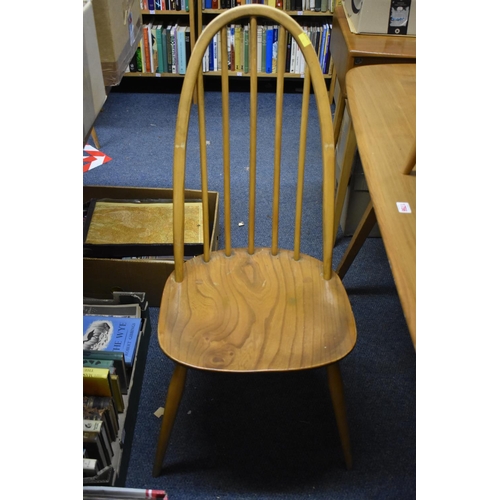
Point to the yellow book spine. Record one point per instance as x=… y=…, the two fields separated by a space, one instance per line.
x=96 y=381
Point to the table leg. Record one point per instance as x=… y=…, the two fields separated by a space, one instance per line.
x=95 y=139
x=362 y=231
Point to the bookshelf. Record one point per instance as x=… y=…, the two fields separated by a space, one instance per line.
x=317 y=24
x=171 y=13
x=121 y=446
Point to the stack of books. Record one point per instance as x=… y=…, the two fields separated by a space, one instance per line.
x=112 y=333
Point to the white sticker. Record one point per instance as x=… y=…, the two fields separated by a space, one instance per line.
x=403 y=207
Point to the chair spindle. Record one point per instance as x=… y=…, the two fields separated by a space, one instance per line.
x=253 y=134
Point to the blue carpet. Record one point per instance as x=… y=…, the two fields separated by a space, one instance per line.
x=272 y=436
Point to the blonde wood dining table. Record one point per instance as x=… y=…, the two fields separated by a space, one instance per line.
x=382 y=101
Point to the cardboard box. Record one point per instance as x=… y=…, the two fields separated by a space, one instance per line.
x=118 y=27
x=94 y=93
x=382 y=17
x=102 y=276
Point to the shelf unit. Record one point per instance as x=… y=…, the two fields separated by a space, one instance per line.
x=198 y=16
x=167 y=16
x=205 y=15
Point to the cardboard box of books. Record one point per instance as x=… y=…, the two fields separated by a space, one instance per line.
x=118 y=26
x=94 y=93
x=103 y=275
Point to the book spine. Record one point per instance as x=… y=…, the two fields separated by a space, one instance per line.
x=145 y=40
x=246 y=58
x=95 y=448
x=169 y=48
x=269 y=49
x=232 y=58
x=173 y=43
x=275 y=50
x=216 y=52
x=188 y=45
x=165 y=49
x=159 y=43
x=97 y=427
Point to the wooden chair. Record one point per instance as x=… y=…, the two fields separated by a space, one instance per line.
x=254 y=309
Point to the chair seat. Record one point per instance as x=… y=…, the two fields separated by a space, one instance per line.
x=253 y=313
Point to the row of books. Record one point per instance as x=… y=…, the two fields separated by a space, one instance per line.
x=163 y=48
x=290 y=5
x=112 y=331
x=267 y=49
x=154 y=5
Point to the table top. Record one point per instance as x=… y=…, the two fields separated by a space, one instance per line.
x=382 y=102
x=360 y=45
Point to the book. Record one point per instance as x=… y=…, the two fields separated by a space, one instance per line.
x=99 y=359
x=145 y=40
x=259 y=47
x=97 y=382
x=110 y=333
x=154 y=48
x=264 y=50
x=231 y=56
x=237 y=49
x=288 y=51
x=293 y=55
x=94 y=447
x=159 y=44
x=152 y=51
x=181 y=49
x=269 y=49
x=105 y=414
x=188 y=44
x=246 y=51
x=173 y=48
x=124 y=310
x=105 y=407
x=91 y=466
x=97 y=427
x=168 y=48
x=274 y=63
x=164 y=49
x=116 y=391
x=215 y=43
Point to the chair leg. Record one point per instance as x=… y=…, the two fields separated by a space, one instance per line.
x=337 y=395
x=362 y=231
x=174 y=395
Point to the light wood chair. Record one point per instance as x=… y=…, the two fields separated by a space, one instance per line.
x=254 y=309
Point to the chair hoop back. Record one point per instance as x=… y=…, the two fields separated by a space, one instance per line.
x=194 y=78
